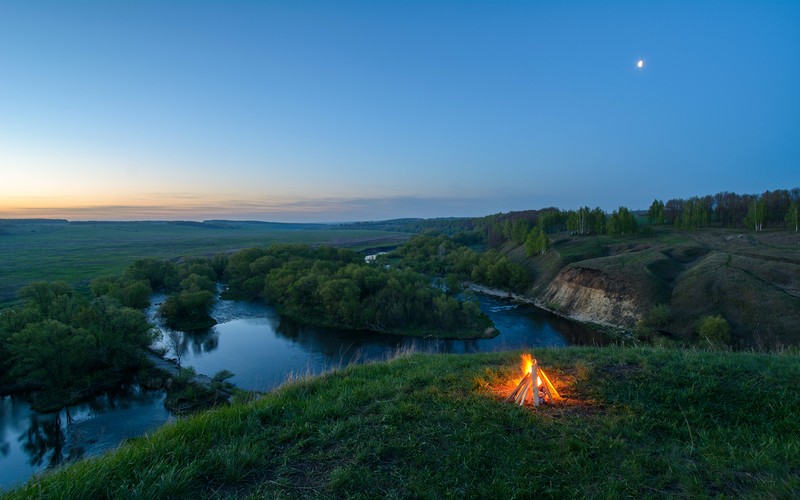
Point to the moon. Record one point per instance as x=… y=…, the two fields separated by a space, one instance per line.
x=640 y=63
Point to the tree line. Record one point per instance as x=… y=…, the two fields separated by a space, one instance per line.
x=443 y=225
x=62 y=344
x=770 y=209
x=446 y=257
x=533 y=227
x=334 y=287
x=189 y=283
x=324 y=286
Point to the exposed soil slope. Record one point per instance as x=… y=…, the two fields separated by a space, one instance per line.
x=588 y=294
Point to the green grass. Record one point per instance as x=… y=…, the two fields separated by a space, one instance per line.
x=78 y=253
x=636 y=422
x=576 y=249
x=567 y=249
x=753 y=294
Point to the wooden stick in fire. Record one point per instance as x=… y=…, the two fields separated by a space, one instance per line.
x=549 y=388
x=516 y=392
x=535 y=379
x=513 y=395
x=523 y=394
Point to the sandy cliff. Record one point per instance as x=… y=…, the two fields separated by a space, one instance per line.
x=587 y=294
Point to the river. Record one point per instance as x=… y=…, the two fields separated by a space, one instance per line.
x=262 y=350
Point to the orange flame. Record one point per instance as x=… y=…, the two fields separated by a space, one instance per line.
x=527 y=367
x=527 y=363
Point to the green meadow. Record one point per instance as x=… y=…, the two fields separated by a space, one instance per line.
x=32 y=250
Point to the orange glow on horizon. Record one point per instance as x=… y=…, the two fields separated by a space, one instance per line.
x=170 y=206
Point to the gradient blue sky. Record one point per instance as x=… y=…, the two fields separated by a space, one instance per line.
x=337 y=110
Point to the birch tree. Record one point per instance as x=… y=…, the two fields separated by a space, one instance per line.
x=584 y=214
x=792 y=218
x=655 y=215
x=756 y=215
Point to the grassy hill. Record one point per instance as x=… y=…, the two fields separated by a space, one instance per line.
x=634 y=422
x=752 y=280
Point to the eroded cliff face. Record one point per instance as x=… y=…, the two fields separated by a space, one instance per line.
x=587 y=294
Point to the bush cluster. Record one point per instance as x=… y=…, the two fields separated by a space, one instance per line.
x=335 y=287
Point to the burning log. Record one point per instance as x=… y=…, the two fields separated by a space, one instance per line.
x=548 y=387
x=523 y=394
x=541 y=390
x=520 y=388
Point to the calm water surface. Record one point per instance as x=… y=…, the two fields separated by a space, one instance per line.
x=262 y=350
x=32 y=441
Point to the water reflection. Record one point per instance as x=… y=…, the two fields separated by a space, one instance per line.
x=33 y=441
x=196 y=342
x=44 y=440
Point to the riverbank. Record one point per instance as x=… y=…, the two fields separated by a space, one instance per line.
x=188 y=391
x=614 y=332
x=634 y=422
x=501 y=294
x=171 y=369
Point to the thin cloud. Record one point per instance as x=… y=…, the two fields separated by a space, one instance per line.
x=194 y=207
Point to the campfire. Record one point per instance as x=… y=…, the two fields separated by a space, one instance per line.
x=542 y=391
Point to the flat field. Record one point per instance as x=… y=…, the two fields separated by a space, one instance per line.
x=78 y=252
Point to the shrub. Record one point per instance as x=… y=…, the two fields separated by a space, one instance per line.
x=642 y=331
x=658 y=317
x=655 y=319
x=714 y=329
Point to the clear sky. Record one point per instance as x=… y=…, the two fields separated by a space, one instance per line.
x=338 y=110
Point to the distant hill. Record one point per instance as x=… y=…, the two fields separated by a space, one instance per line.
x=23 y=226
x=33 y=221
x=445 y=225
x=274 y=225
